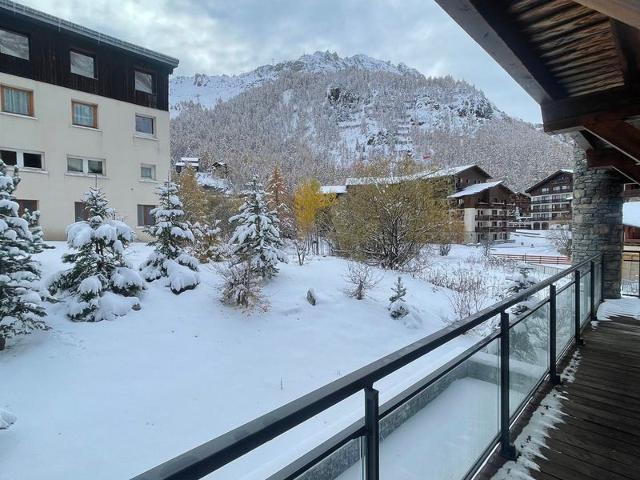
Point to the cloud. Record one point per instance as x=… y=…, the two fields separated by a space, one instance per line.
x=234 y=36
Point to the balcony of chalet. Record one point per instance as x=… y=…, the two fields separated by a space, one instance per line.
x=551 y=390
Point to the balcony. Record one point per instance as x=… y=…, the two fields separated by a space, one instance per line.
x=476 y=401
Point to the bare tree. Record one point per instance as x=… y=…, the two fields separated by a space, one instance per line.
x=360 y=278
x=561 y=239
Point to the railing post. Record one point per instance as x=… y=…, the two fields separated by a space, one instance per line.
x=576 y=317
x=554 y=378
x=602 y=278
x=638 y=272
x=372 y=440
x=507 y=449
x=592 y=291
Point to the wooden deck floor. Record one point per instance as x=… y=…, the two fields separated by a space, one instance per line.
x=599 y=438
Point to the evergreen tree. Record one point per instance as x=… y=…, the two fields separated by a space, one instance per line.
x=397 y=305
x=279 y=201
x=256 y=238
x=20 y=304
x=520 y=282
x=37 y=244
x=101 y=284
x=173 y=236
x=207 y=245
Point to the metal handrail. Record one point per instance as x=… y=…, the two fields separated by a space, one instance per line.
x=212 y=455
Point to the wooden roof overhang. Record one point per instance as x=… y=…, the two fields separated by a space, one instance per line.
x=579 y=59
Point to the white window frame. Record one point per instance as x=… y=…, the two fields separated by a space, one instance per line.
x=85 y=166
x=144 y=134
x=153 y=169
x=20 y=159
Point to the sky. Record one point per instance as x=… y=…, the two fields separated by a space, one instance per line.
x=235 y=36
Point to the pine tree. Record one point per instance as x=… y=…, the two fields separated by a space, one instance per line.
x=520 y=282
x=101 y=283
x=173 y=236
x=279 y=201
x=37 y=244
x=397 y=305
x=256 y=238
x=20 y=304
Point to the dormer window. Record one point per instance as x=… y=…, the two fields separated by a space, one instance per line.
x=14 y=44
x=82 y=64
x=144 y=82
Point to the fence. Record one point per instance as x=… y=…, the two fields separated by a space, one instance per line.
x=540 y=259
x=465 y=408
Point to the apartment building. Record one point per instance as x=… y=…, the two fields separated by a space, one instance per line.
x=551 y=200
x=81 y=109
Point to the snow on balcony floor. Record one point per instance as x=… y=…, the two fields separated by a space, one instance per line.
x=622 y=307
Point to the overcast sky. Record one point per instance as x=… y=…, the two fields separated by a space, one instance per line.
x=234 y=36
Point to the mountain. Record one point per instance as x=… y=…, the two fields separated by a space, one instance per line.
x=321 y=115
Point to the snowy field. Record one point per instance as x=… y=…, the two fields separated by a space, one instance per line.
x=529 y=242
x=108 y=400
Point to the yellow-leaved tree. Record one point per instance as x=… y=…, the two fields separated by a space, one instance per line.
x=308 y=203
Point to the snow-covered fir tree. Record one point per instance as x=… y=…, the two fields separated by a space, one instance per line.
x=20 y=304
x=37 y=243
x=101 y=284
x=256 y=238
x=173 y=236
x=519 y=282
x=397 y=305
x=208 y=242
x=279 y=201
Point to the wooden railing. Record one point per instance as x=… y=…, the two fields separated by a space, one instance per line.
x=540 y=259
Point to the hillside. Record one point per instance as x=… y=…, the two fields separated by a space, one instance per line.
x=321 y=114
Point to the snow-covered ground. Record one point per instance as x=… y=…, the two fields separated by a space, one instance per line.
x=108 y=400
x=529 y=242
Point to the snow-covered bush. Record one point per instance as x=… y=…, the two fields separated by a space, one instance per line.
x=37 y=243
x=241 y=285
x=6 y=419
x=208 y=245
x=101 y=284
x=20 y=304
x=256 y=240
x=173 y=236
x=520 y=281
x=360 y=278
x=397 y=305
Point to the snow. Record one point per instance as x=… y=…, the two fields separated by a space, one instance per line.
x=622 y=307
x=6 y=419
x=631 y=214
x=473 y=189
x=529 y=242
x=333 y=189
x=433 y=173
x=185 y=369
x=208 y=180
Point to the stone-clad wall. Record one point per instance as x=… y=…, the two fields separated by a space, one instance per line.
x=597 y=219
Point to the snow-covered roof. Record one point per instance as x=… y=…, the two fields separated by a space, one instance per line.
x=476 y=188
x=336 y=189
x=207 y=180
x=547 y=178
x=631 y=214
x=442 y=172
x=192 y=161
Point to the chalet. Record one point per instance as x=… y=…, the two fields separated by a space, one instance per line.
x=551 y=200
x=80 y=109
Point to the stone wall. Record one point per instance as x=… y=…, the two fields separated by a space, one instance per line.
x=597 y=219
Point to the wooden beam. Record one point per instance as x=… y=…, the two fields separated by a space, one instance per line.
x=566 y=115
x=611 y=159
x=489 y=24
x=626 y=11
x=627 y=41
x=617 y=133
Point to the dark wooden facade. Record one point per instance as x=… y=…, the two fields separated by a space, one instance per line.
x=115 y=67
x=558 y=182
x=498 y=196
x=470 y=176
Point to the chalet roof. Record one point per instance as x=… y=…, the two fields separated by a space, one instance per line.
x=438 y=173
x=192 y=161
x=333 y=189
x=61 y=24
x=548 y=178
x=477 y=188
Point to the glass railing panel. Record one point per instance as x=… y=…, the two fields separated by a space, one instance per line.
x=347 y=462
x=528 y=355
x=565 y=318
x=449 y=426
x=585 y=297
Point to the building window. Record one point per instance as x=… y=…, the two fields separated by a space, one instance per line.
x=15 y=100
x=31 y=205
x=145 y=125
x=144 y=215
x=82 y=64
x=85 y=165
x=144 y=82
x=80 y=211
x=148 y=172
x=84 y=114
x=22 y=159
x=14 y=44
